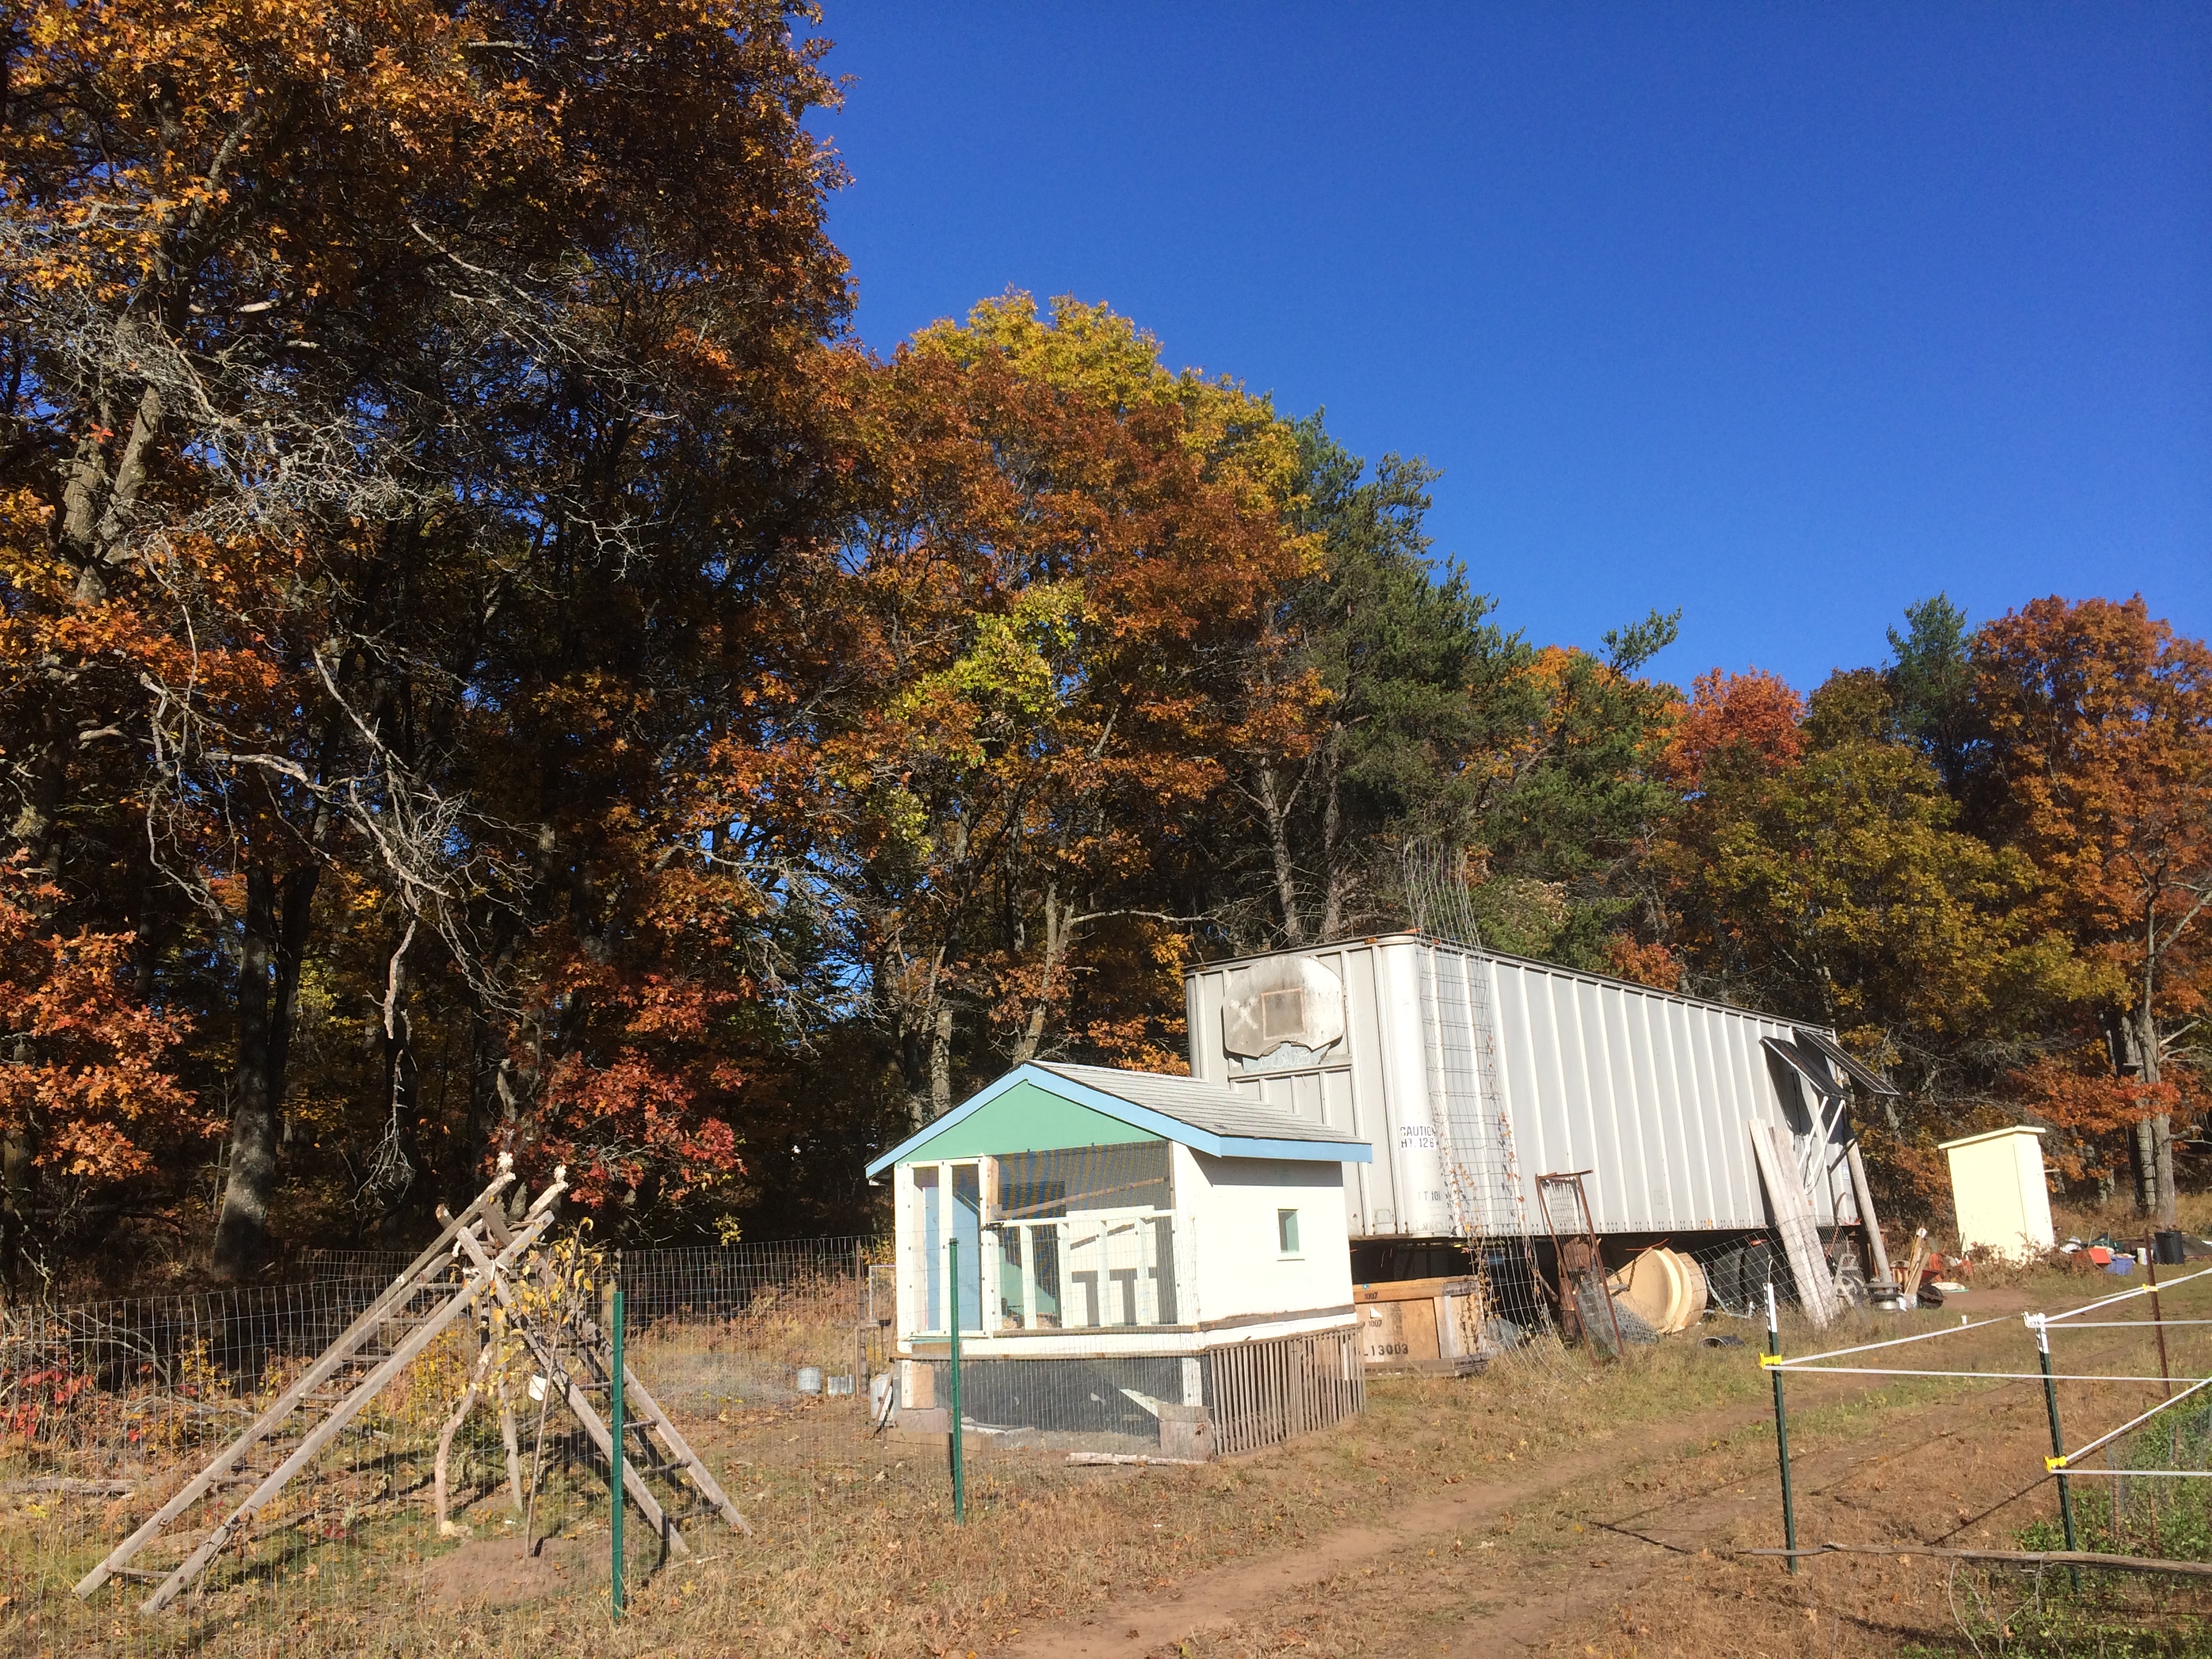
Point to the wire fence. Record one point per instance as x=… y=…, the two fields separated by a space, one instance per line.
x=2126 y=1385
x=2146 y=1494
x=316 y=1265
x=108 y=1409
x=1572 y=1292
x=779 y=1362
x=759 y=1353
x=776 y=1361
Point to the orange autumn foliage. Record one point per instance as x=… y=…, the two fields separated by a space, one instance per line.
x=1750 y=719
x=640 y=1096
x=84 y=1063
x=2088 y=1104
x=2103 y=718
x=382 y=368
x=2100 y=718
x=1642 y=963
x=1028 y=663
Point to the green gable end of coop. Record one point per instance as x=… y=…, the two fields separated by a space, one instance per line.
x=1026 y=1118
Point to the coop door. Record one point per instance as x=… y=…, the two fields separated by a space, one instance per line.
x=950 y=1196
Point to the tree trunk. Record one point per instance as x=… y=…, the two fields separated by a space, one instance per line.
x=2159 y=1147
x=924 y=1029
x=37 y=831
x=37 y=828
x=490 y=1108
x=1277 y=811
x=271 y=952
x=1338 y=878
x=517 y=1089
x=1026 y=1045
x=940 y=1063
x=2142 y=1158
x=1057 y=927
x=485 y=1052
x=2161 y=1138
x=296 y=908
x=401 y=1077
x=15 y=1155
x=243 y=1226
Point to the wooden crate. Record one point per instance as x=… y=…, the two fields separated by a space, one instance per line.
x=1428 y=1325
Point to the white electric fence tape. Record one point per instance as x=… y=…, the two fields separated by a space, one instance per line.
x=2041 y=1324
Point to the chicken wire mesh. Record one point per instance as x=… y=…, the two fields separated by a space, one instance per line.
x=2147 y=1495
x=1548 y=1309
x=1720 y=1280
x=1737 y=1269
x=108 y=1409
x=1036 y=1417
x=763 y=1355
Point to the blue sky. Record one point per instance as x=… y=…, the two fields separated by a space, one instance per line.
x=1784 y=315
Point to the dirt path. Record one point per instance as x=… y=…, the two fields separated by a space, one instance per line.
x=1634 y=1545
x=1651 y=1521
x=1247 y=1590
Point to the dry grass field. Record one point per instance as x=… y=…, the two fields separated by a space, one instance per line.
x=1570 y=1510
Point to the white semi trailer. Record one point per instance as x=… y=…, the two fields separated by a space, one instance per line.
x=1472 y=1073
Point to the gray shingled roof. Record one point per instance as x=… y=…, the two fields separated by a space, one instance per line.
x=1207 y=1106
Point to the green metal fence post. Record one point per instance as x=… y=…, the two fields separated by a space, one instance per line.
x=953 y=1299
x=1781 y=1427
x=2057 y=1461
x=615 y=1431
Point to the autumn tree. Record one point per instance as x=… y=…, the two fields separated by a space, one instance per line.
x=345 y=338
x=1730 y=738
x=1816 y=870
x=1823 y=874
x=1056 y=545
x=86 y=1093
x=1734 y=730
x=1566 y=833
x=2100 y=724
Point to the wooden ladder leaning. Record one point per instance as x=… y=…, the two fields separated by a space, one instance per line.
x=577 y=1358
x=410 y=1313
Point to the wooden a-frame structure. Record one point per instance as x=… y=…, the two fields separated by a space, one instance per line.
x=475 y=1256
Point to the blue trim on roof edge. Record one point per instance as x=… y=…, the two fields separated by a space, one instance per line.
x=1137 y=1117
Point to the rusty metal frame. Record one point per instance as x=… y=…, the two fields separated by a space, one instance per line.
x=1589 y=1261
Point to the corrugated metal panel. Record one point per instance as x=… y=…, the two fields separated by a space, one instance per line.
x=1521 y=1068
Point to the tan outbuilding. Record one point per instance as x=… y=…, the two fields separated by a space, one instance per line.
x=1998 y=1189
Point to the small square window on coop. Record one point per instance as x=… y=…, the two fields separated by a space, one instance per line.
x=1102 y=1236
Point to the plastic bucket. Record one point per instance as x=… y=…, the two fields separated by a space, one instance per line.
x=2172 y=1251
